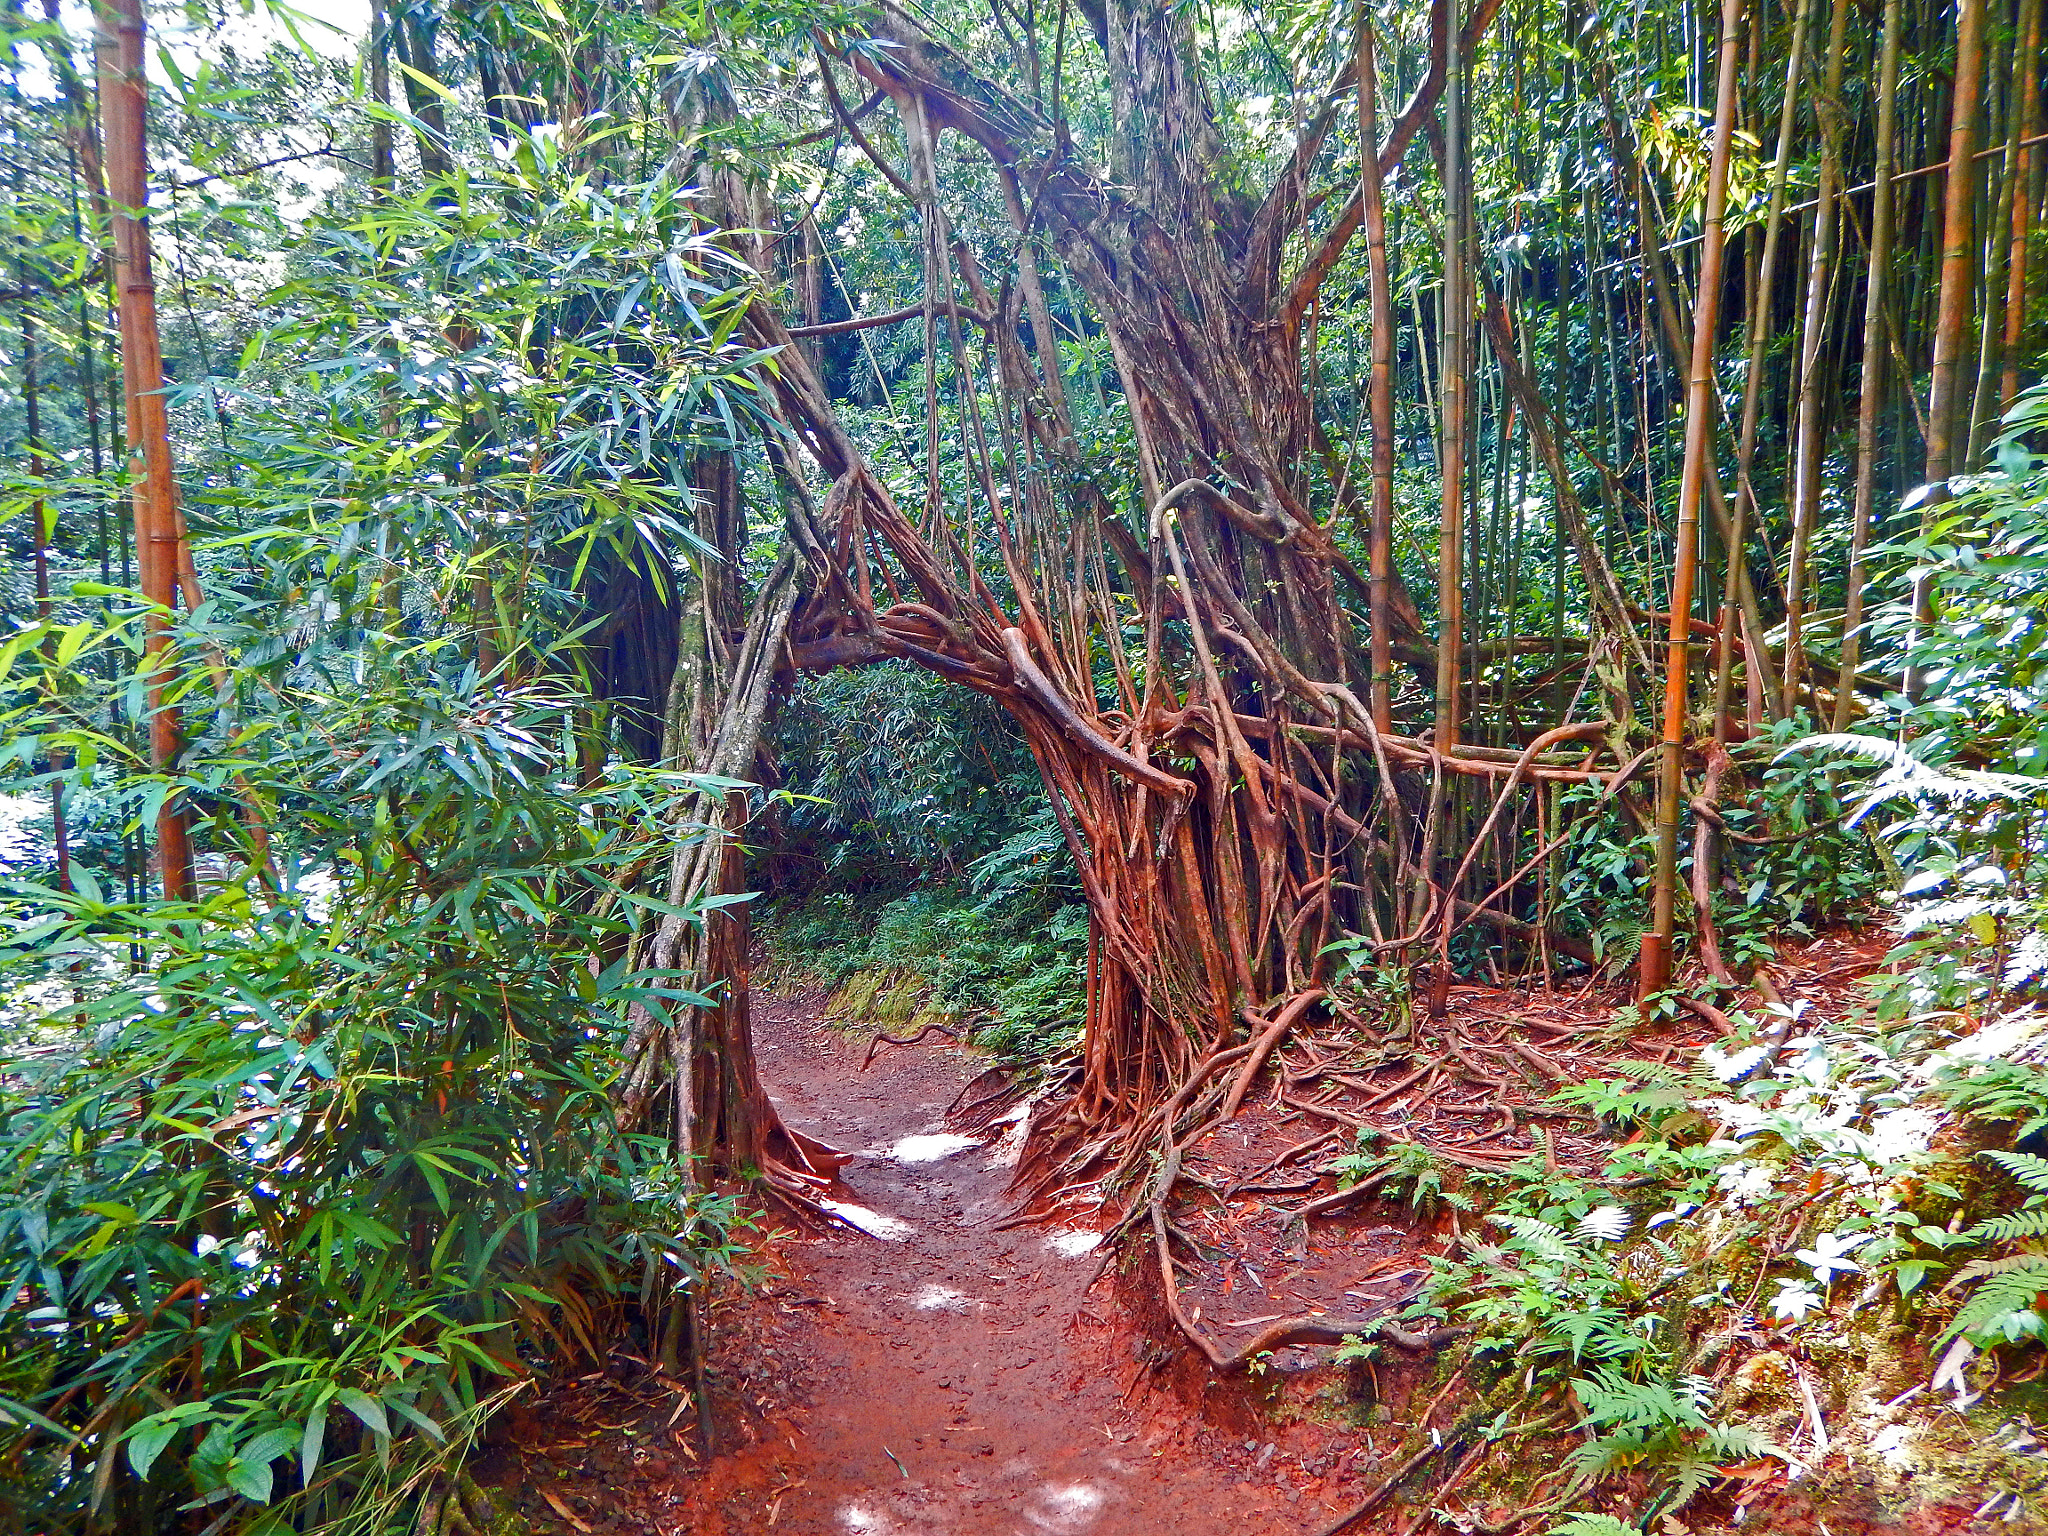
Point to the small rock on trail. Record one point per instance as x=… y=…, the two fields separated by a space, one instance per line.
x=955 y=1380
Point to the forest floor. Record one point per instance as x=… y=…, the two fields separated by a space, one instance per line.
x=949 y=1371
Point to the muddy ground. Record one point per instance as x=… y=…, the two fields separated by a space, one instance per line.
x=950 y=1370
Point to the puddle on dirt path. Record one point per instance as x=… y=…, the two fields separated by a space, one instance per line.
x=954 y=1380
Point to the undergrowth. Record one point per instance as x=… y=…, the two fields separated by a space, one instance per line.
x=998 y=950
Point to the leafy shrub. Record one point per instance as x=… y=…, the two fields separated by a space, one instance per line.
x=289 y=1212
x=1803 y=870
x=1005 y=947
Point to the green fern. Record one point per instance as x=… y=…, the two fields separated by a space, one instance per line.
x=1615 y=1402
x=2003 y=1307
x=1690 y=1477
x=1596 y=1333
x=1593 y=1525
x=1735 y=1442
x=1603 y=1454
x=2030 y=1171
x=2002 y=1090
x=2032 y=1222
x=1539 y=1237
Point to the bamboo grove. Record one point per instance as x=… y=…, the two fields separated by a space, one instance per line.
x=1360 y=449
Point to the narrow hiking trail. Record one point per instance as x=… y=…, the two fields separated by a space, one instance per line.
x=946 y=1378
x=937 y=1375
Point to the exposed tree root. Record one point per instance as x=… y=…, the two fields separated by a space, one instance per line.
x=881 y=1040
x=1288 y=1016
x=458 y=1507
x=1378 y=1496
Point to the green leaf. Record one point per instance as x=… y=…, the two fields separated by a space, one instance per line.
x=1910 y=1272
x=251 y=1479
x=406 y=1410
x=366 y=1408
x=311 y=1442
x=146 y=1441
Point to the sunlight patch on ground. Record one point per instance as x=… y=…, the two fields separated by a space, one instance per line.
x=862 y=1521
x=1009 y=1147
x=1066 y=1509
x=930 y=1148
x=890 y=1229
x=940 y=1298
x=1072 y=1244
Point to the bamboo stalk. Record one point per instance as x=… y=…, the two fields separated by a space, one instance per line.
x=1380 y=562
x=159 y=545
x=1997 y=250
x=1958 y=279
x=1806 y=461
x=1871 y=404
x=2027 y=72
x=1451 y=437
x=1654 y=974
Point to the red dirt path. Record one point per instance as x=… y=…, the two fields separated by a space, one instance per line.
x=979 y=1358
x=965 y=1381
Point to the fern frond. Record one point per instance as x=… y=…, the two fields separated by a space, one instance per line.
x=1615 y=1402
x=1539 y=1237
x=1690 y=1476
x=1606 y=1453
x=1593 y=1525
x=2003 y=1308
x=2007 y=1229
x=2012 y=1263
x=1736 y=1442
x=2030 y=1171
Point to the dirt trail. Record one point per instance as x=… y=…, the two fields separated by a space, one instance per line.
x=946 y=1378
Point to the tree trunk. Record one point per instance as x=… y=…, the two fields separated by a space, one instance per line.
x=1204 y=825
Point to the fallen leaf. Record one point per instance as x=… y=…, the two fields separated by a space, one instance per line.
x=563 y=1510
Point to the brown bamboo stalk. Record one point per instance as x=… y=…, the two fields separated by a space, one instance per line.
x=1997 y=249
x=1806 y=460
x=1380 y=563
x=124 y=104
x=2027 y=73
x=1958 y=248
x=1958 y=278
x=1760 y=309
x=1452 y=432
x=39 y=510
x=383 y=151
x=1654 y=974
x=1871 y=405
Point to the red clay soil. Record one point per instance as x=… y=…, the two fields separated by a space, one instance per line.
x=954 y=1378
x=958 y=1379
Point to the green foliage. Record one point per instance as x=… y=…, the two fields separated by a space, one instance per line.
x=920 y=845
x=1803 y=870
x=1593 y=1525
x=1999 y=1091
x=1401 y=1165
x=1963 y=767
x=289 y=1213
x=1013 y=971
x=303 y=1178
